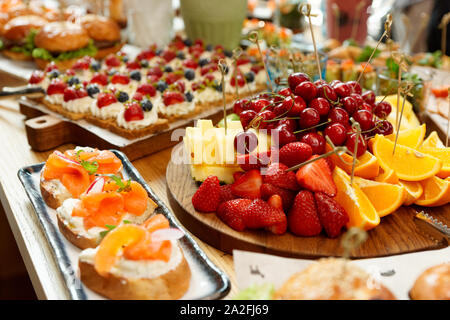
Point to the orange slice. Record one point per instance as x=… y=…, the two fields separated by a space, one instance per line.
x=385 y=197
x=367 y=166
x=436 y=192
x=433 y=141
x=360 y=210
x=442 y=154
x=387 y=177
x=412 y=138
x=408 y=164
x=112 y=245
x=413 y=191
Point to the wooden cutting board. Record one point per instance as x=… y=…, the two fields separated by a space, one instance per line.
x=396 y=234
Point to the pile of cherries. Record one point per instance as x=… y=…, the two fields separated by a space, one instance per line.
x=305 y=108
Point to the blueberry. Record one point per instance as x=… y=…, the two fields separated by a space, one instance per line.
x=189 y=74
x=227 y=69
x=92 y=90
x=95 y=65
x=228 y=53
x=125 y=59
x=112 y=72
x=72 y=81
x=250 y=76
x=54 y=74
x=181 y=56
x=135 y=75
x=189 y=96
x=146 y=105
x=203 y=62
x=187 y=42
x=168 y=69
x=158 y=52
x=217 y=86
x=144 y=63
x=161 y=86
x=122 y=97
x=209 y=47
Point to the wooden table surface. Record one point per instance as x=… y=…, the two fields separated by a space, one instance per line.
x=31 y=241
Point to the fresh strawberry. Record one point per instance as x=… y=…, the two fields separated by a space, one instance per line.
x=190 y=63
x=105 y=99
x=120 y=79
x=288 y=196
x=133 y=112
x=277 y=175
x=295 y=153
x=207 y=197
x=172 y=77
x=179 y=84
x=70 y=94
x=317 y=177
x=169 y=55
x=210 y=67
x=81 y=93
x=240 y=80
x=36 y=77
x=332 y=216
x=330 y=163
x=237 y=175
x=146 y=89
x=155 y=71
x=51 y=66
x=81 y=64
x=248 y=186
x=133 y=65
x=252 y=161
x=145 y=55
x=171 y=97
x=112 y=61
x=303 y=219
x=137 y=96
x=56 y=87
x=99 y=78
x=233 y=213
x=259 y=214
x=226 y=194
x=276 y=202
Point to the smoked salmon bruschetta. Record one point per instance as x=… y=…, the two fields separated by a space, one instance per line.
x=107 y=203
x=67 y=175
x=138 y=262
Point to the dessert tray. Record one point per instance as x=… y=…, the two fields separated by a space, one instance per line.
x=207 y=281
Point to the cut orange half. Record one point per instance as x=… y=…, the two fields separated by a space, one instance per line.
x=367 y=166
x=436 y=192
x=413 y=191
x=360 y=210
x=408 y=164
x=412 y=138
x=385 y=197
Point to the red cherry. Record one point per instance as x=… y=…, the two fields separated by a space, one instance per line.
x=307 y=90
x=245 y=142
x=337 y=133
x=359 y=100
x=343 y=90
x=259 y=104
x=112 y=61
x=99 y=78
x=290 y=123
x=146 y=89
x=240 y=105
x=309 y=118
x=286 y=92
x=299 y=106
x=36 y=77
x=133 y=112
x=327 y=92
x=172 y=97
x=56 y=87
x=384 y=127
x=349 y=104
x=316 y=141
x=296 y=78
x=356 y=87
x=369 y=97
x=120 y=79
x=382 y=109
x=266 y=116
x=321 y=105
x=70 y=94
x=285 y=134
x=105 y=99
x=362 y=145
x=364 y=118
x=365 y=106
x=334 y=83
x=319 y=82
x=247 y=116
x=339 y=115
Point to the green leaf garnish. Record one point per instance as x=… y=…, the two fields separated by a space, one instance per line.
x=366 y=52
x=89 y=50
x=126 y=222
x=122 y=186
x=90 y=167
x=109 y=227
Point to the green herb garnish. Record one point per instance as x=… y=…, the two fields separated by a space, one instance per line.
x=122 y=186
x=126 y=222
x=90 y=167
x=28 y=47
x=109 y=227
x=366 y=52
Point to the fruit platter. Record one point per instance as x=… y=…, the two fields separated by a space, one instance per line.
x=284 y=179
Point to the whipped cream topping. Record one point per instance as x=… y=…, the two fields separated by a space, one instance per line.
x=56 y=99
x=150 y=118
x=108 y=112
x=178 y=109
x=78 y=105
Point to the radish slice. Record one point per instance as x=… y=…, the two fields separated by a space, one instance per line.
x=167 y=234
x=62 y=156
x=96 y=186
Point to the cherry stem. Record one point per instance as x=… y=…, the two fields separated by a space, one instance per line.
x=313 y=127
x=325 y=155
x=334 y=147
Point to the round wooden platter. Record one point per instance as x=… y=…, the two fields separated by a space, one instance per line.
x=396 y=234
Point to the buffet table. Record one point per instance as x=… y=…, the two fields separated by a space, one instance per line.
x=30 y=239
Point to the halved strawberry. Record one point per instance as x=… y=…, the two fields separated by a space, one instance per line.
x=303 y=219
x=133 y=112
x=288 y=196
x=259 y=214
x=207 y=197
x=237 y=175
x=277 y=175
x=332 y=216
x=226 y=194
x=146 y=89
x=112 y=61
x=56 y=87
x=171 y=97
x=233 y=213
x=253 y=161
x=105 y=99
x=146 y=55
x=279 y=228
x=248 y=185
x=99 y=78
x=317 y=177
x=120 y=79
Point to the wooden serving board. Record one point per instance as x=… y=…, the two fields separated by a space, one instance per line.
x=47 y=130
x=396 y=234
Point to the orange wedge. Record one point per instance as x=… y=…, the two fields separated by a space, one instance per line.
x=412 y=138
x=442 y=154
x=387 y=177
x=367 y=166
x=413 y=191
x=360 y=210
x=436 y=192
x=408 y=164
x=433 y=141
x=385 y=197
